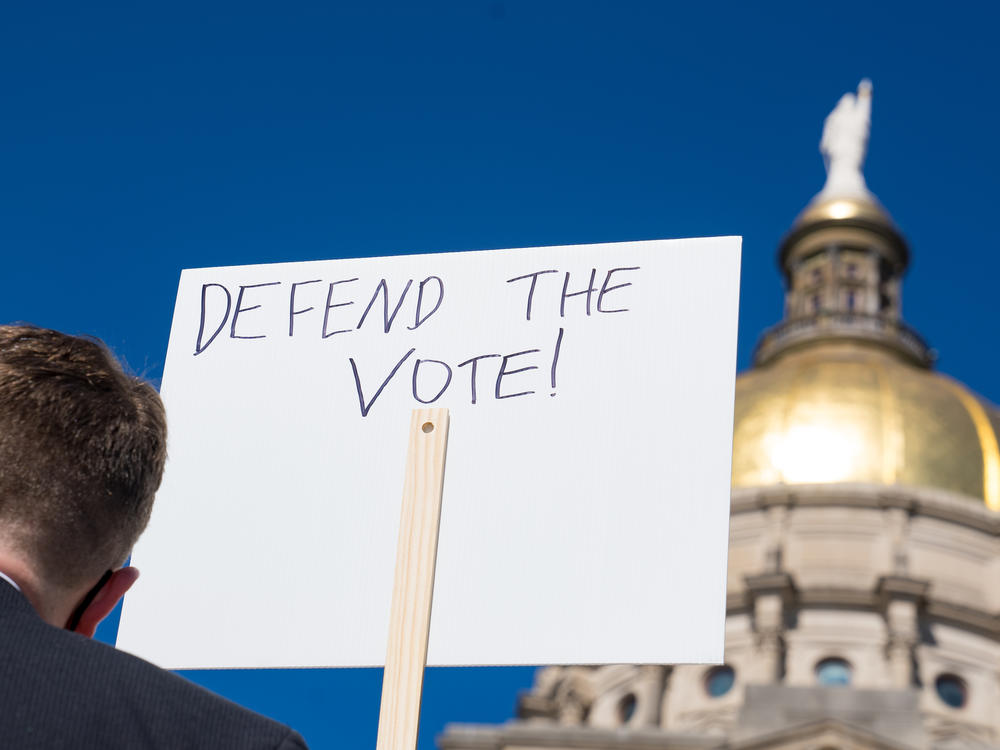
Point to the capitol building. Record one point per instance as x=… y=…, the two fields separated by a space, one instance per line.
x=864 y=561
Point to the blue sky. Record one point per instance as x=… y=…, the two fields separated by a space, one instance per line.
x=138 y=140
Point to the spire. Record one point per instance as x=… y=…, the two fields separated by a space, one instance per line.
x=843 y=259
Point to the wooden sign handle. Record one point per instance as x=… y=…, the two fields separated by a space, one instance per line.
x=413 y=584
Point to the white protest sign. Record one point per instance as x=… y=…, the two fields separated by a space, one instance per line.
x=586 y=498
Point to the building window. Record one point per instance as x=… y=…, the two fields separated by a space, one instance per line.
x=833 y=672
x=719 y=680
x=815 y=303
x=852 y=270
x=951 y=690
x=626 y=708
x=850 y=300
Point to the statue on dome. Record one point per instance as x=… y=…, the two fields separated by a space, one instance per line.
x=844 y=142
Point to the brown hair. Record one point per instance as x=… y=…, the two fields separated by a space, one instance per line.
x=82 y=447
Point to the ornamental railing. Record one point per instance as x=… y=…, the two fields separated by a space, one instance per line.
x=832 y=325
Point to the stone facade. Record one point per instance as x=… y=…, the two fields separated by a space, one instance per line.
x=899 y=584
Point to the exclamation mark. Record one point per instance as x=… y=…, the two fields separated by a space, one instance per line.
x=555 y=361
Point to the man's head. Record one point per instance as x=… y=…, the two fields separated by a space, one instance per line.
x=82 y=448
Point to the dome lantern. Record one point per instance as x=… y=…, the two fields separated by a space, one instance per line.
x=843 y=259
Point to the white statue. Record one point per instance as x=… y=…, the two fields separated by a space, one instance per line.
x=844 y=142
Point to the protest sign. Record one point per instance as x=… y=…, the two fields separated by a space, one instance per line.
x=586 y=496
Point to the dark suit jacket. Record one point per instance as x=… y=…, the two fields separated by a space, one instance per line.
x=62 y=690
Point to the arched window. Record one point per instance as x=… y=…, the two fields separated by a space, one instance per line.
x=626 y=707
x=719 y=680
x=951 y=689
x=833 y=672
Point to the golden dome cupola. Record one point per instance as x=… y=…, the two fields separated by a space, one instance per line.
x=842 y=390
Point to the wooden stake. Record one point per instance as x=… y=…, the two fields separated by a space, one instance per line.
x=413 y=585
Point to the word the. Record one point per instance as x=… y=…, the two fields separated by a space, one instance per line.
x=587 y=292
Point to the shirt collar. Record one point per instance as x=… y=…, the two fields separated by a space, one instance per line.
x=10 y=580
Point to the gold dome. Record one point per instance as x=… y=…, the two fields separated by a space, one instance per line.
x=845 y=411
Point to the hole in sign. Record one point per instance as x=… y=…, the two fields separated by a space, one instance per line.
x=428 y=427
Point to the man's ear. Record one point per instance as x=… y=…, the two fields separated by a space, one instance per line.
x=105 y=600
